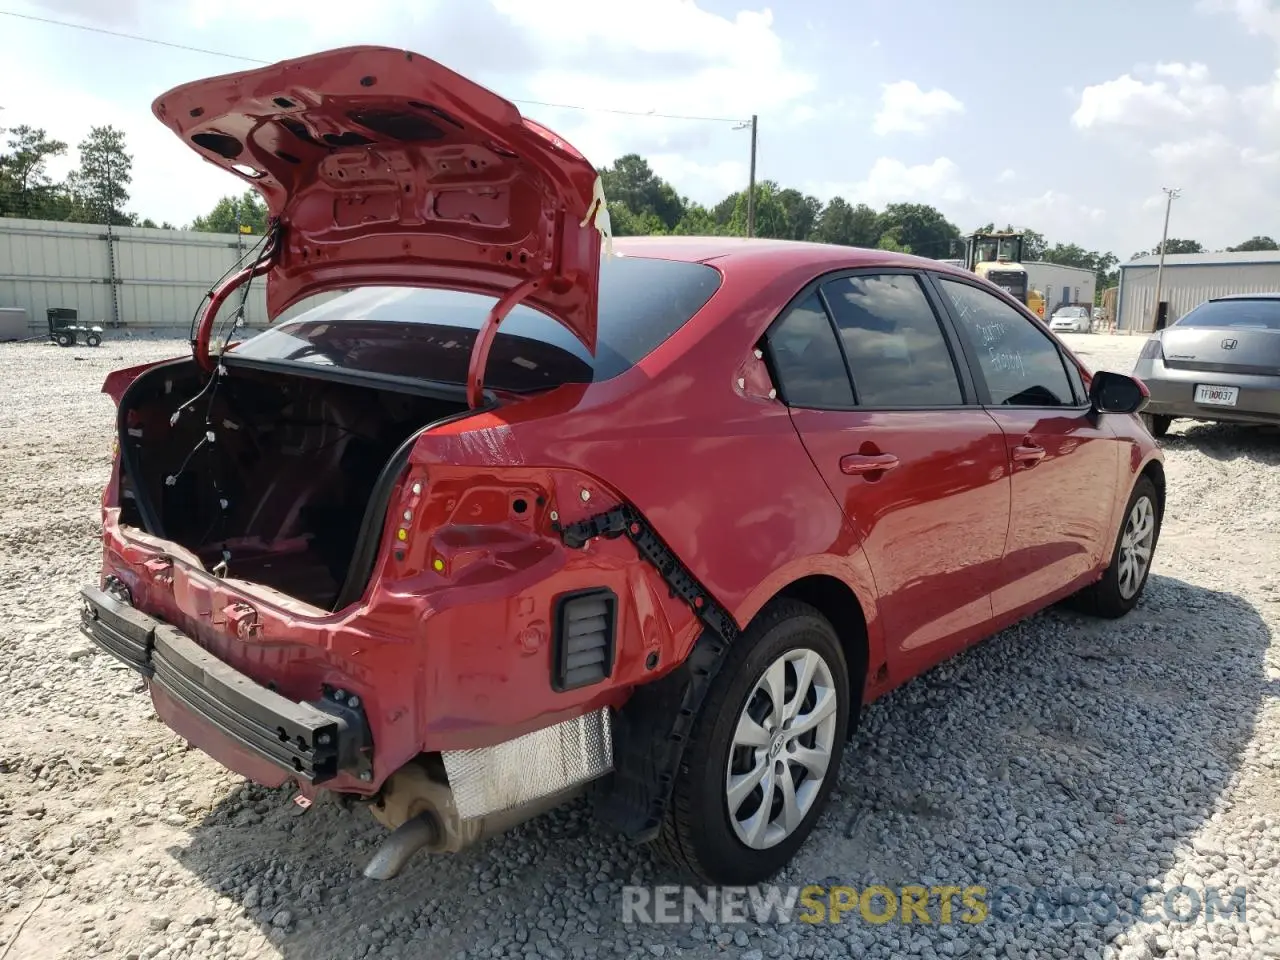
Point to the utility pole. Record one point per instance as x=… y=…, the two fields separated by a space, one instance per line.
x=751 y=196
x=751 y=186
x=1171 y=194
x=111 y=249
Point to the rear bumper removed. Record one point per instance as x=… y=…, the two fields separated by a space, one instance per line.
x=312 y=742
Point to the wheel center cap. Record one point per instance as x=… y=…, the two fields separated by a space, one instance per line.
x=775 y=748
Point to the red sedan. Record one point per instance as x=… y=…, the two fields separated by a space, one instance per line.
x=516 y=516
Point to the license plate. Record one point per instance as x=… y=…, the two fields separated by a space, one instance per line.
x=1217 y=396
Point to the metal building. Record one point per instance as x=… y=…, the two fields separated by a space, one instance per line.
x=1061 y=284
x=1188 y=280
x=138 y=278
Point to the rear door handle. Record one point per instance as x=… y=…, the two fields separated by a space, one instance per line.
x=1028 y=453
x=859 y=464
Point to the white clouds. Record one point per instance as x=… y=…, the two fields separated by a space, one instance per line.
x=1053 y=213
x=699 y=179
x=892 y=181
x=1259 y=17
x=905 y=108
x=1190 y=154
x=1183 y=93
x=664 y=56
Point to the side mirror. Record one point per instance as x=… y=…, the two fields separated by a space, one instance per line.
x=1117 y=393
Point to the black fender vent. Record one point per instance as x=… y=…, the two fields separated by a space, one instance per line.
x=586 y=624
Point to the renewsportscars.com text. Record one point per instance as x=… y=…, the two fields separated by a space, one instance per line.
x=920 y=904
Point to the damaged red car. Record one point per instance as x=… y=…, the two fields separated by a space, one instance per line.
x=514 y=512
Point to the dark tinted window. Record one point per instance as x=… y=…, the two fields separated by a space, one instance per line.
x=897 y=352
x=1264 y=314
x=1021 y=365
x=427 y=333
x=807 y=358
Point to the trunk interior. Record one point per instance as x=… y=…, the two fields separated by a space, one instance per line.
x=275 y=474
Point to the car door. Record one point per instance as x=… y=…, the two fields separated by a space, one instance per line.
x=1063 y=461
x=869 y=370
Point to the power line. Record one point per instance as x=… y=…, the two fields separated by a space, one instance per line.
x=236 y=56
x=128 y=36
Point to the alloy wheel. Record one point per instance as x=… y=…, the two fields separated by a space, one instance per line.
x=1135 y=546
x=782 y=748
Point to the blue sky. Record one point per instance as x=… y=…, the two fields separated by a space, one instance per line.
x=1064 y=117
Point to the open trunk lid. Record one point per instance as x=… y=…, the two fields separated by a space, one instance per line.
x=380 y=166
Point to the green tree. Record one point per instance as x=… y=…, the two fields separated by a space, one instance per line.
x=98 y=190
x=631 y=182
x=891 y=239
x=1103 y=265
x=1181 y=246
x=25 y=187
x=801 y=213
x=771 y=214
x=848 y=225
x=1256 y=243
x=246 y=210
x=698 y=221
x=1033 y=244
x=919 y=228
x=723 y=211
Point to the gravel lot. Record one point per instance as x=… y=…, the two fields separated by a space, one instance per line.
x=1063 y=755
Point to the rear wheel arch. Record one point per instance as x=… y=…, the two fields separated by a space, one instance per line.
x=1154 y=471
x=838 y=603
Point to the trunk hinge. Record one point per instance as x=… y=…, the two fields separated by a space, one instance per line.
x=653 y=728
x=487 y=333
x=216 y=297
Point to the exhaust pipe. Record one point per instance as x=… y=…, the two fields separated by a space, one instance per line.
x=405 y=840
x=417 y=805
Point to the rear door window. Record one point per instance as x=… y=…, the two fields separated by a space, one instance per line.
x=806 y=358
x=897 y=352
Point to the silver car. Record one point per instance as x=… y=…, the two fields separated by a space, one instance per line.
x=1219 y=362
x=1071 y=320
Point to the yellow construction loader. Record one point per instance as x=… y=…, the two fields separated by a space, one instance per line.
x=998 y=258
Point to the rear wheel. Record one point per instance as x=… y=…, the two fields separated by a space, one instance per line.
x=1125 y=578
x=65 y=339
x=1157 y=425
x=765 y=750
x=93 y=340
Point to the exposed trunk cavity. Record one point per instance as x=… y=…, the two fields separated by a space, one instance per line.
x=281 y=477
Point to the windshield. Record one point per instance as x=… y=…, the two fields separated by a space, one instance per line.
x=1071 y=312
x=1263 y=313
x=427 y=334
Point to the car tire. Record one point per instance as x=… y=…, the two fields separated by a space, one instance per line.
x=93 y=340
x=1118 y=591
x=701 y=834
x=1157 y=425
x=64 y=339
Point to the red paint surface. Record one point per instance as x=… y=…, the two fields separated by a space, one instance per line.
x=954 y=537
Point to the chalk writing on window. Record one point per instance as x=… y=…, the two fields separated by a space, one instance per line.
x=1007 y=361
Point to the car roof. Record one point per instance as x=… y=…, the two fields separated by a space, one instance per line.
x=1246 y=296
x=733 y=252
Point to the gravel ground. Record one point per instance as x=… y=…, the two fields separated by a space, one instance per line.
x=1063 y=758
